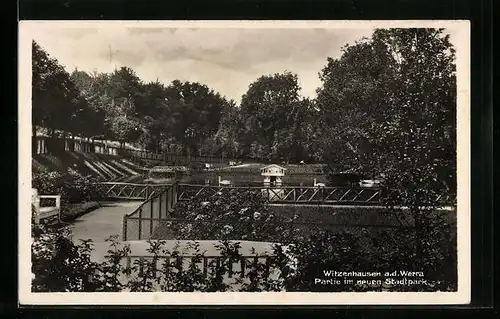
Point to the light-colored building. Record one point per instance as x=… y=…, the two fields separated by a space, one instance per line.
x=273 y=175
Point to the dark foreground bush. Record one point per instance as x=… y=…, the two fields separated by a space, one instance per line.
x=78 y=193
x=60 y=265
x=73 y=187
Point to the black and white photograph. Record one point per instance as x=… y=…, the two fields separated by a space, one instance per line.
x=244 y=162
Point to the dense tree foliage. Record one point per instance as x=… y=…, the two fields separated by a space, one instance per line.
x=390 y=106
x=120 y=106
x=272 y=112
x=57 y=104
x=387 y=103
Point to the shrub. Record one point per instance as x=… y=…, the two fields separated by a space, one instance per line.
x=229 y=214
x=46 y=182
x=60 y=265
x=73 y=188
x=76 y=210
x=83 y=188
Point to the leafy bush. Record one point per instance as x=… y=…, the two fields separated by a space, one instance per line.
x=78 y=193
x=74 y=211
x=386 y=251
x=83 y=188
x=60 y=265
x=46 y=182
x=229 y=214
x=73 y=188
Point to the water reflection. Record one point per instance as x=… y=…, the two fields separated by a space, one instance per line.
x=235 y=179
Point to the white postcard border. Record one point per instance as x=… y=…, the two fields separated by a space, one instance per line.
x=462 y=296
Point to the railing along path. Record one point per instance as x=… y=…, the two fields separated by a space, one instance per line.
x=131 y=191
x=140 y=224
x=292 y=194
x=160 y=199
x=279 y=194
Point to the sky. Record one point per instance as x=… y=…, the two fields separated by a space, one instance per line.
x=225 y=59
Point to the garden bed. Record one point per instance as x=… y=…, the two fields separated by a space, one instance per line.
x=76 y=210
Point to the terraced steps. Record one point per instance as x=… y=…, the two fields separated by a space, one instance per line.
x=107 y=167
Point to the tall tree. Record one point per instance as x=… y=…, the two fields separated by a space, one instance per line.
x=55 y=98
x=194 y=113
x=391 y=104
x=353 y=96
x=226 y=139
x=270 y=109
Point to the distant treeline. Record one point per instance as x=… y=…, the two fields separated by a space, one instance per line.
x=387 y=102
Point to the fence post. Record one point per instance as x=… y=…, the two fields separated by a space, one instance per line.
x=169 y=199
x=140 y=224
x=159 y=205
x=243 y=264
x=205 y=266
x=151 y=221
x=266 y=269
x=124 y=235
x=175 y=192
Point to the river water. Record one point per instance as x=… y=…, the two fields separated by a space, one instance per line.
x=235 y=179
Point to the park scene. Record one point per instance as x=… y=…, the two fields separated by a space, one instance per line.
x=169 y=184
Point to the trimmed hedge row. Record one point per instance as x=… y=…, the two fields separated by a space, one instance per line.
x=76 y=210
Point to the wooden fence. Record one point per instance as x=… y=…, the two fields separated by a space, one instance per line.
x=233 y=266
x=293 y=194
x=341 y=195
x=131 y=191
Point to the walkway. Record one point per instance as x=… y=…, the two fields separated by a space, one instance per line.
x=107 y=220
x=103 y=222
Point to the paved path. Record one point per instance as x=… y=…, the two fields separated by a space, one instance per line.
x=103 y=222
x=108 y=220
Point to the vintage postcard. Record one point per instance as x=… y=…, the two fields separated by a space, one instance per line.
x=244 y=162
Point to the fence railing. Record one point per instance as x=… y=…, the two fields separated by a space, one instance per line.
x=294 y=194
x=278 y=195
x=141 y=223
x=131 y=191
x=234 y=266
x=302 y=194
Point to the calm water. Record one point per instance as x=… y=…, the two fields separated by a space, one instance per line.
x=236 y=178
